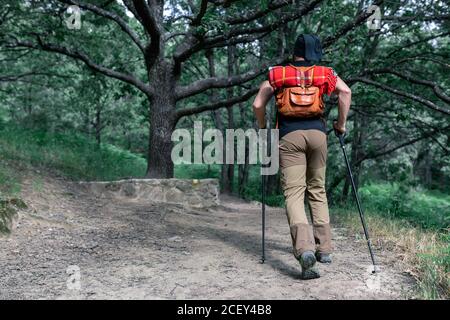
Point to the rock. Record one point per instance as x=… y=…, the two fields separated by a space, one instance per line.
x=175 y=239
x=195 y=193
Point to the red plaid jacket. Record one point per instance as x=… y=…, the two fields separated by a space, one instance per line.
x=289 y=76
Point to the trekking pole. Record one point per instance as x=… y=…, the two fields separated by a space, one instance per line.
x=263 y=199
x=355 y=193
x=263 y=215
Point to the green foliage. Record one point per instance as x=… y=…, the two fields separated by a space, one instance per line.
x=8 y=209
x=70 y=153
x=7 y=212
x=9 y=178
x=434 y=266
x=429 y=210
x=197 y=171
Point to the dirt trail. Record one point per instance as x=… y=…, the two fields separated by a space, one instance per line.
x=129 y=250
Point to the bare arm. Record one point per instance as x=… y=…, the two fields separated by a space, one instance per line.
x=344 y=94
x=259 y=105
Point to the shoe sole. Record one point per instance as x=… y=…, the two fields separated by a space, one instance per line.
x=308 y=261
x=310 y=274
x=325 y=262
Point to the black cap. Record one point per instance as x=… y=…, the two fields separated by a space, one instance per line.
x=309 y=47
x=299 y=47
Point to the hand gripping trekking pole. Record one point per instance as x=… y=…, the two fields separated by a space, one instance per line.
x=355 y=193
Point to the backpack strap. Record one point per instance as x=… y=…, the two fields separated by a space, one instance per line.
x=298 y=75
x=312 y=76
x=284 y=76
x=301 y=79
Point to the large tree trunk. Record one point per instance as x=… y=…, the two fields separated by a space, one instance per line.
x=162 y=122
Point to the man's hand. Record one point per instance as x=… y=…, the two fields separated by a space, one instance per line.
x=257 y=125
x=339 y=128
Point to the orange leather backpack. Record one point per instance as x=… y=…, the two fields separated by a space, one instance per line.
x=303 y=100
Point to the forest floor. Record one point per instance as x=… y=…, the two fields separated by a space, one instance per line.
x=129 y=250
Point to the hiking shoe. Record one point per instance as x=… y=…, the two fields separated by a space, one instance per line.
x=323 y=257
x=310 y=274
x=307 y=261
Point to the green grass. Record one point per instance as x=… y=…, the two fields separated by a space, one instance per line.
x=74 y=155
x=9 y=179
x=70 y=154
x=422 y=208
x=434 y=265
x=8 y=210
x=415 y=221
x=424 y=252
x=197 y=171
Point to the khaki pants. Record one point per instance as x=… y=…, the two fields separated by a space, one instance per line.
x=303 y=155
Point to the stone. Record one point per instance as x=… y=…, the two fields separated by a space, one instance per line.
x=197 y=193
x=175 y=239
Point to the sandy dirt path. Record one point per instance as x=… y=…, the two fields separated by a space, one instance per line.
x=129 y=250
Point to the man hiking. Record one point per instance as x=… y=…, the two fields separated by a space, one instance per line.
x=298 y=87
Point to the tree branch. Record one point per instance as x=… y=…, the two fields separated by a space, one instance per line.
x=282 y=20
x=407 y=76
x=128 y=78
x=194 y=43
x=346 y=28
x=410 y=44
x=245 y=18
x=149 y=20
x=419 y=99
x=10 y=78
x=438 y=17
x=216 y=105
x=109 y=15
x=237 y=40
x=148 y=17
x=223 y=3
x=369 y=155
x=198 y=18
x=215 y=82
x=424 y=58
x=130 y=6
